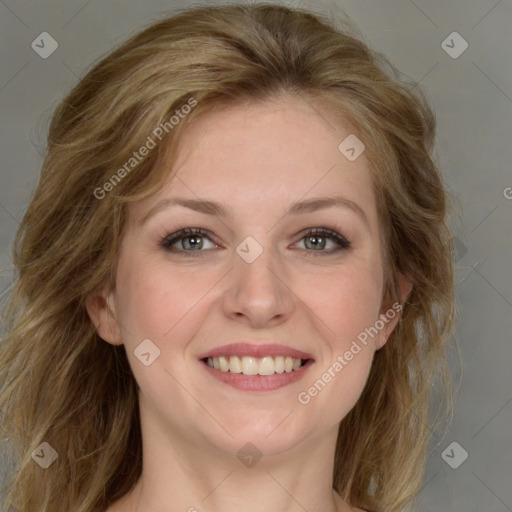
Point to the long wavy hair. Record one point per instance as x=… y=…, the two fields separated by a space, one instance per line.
x=62 y=384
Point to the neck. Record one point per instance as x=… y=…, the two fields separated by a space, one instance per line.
x=186 y=475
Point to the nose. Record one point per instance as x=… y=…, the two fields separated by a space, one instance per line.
x=258 y=291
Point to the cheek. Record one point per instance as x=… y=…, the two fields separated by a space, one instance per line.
x=345 y=301
x=338 y=380
x=163 y=305
x=154 y=299
x=345 y=306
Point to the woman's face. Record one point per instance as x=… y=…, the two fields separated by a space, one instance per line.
x=255 y=276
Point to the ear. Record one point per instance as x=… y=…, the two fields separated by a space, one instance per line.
x=102 y=312
x=390 y=314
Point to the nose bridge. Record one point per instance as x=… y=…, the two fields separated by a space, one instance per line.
x=256 y=265
x=257 y=286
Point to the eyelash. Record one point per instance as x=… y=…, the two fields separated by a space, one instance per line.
x=171 y=239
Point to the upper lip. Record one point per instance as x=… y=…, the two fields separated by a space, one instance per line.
x=255 y=350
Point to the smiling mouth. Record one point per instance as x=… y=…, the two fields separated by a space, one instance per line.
x=248 y=365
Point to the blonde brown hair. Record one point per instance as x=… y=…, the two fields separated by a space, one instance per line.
x=63 y=385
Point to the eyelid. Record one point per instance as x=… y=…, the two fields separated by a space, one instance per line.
x=323 y=231
x=185 y=232
x=329 y=233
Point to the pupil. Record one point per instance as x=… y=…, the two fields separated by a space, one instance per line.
x=194 y=241
x=316 y=239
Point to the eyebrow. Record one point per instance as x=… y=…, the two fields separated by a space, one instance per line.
x=216 y=209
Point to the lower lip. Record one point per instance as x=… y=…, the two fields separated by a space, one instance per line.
x=258 y=382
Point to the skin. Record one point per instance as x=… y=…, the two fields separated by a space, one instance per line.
x=256 y=159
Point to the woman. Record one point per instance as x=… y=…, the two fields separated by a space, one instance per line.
x=235 y=283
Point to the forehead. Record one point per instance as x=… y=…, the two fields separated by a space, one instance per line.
x=266 y=155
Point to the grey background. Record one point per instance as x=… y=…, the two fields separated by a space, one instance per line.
x=472 y=97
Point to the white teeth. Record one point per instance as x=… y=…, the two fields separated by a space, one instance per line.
x=235 y=365
x=279 y=364
x=223 y=364
x=267 y=366
x=248 y=365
